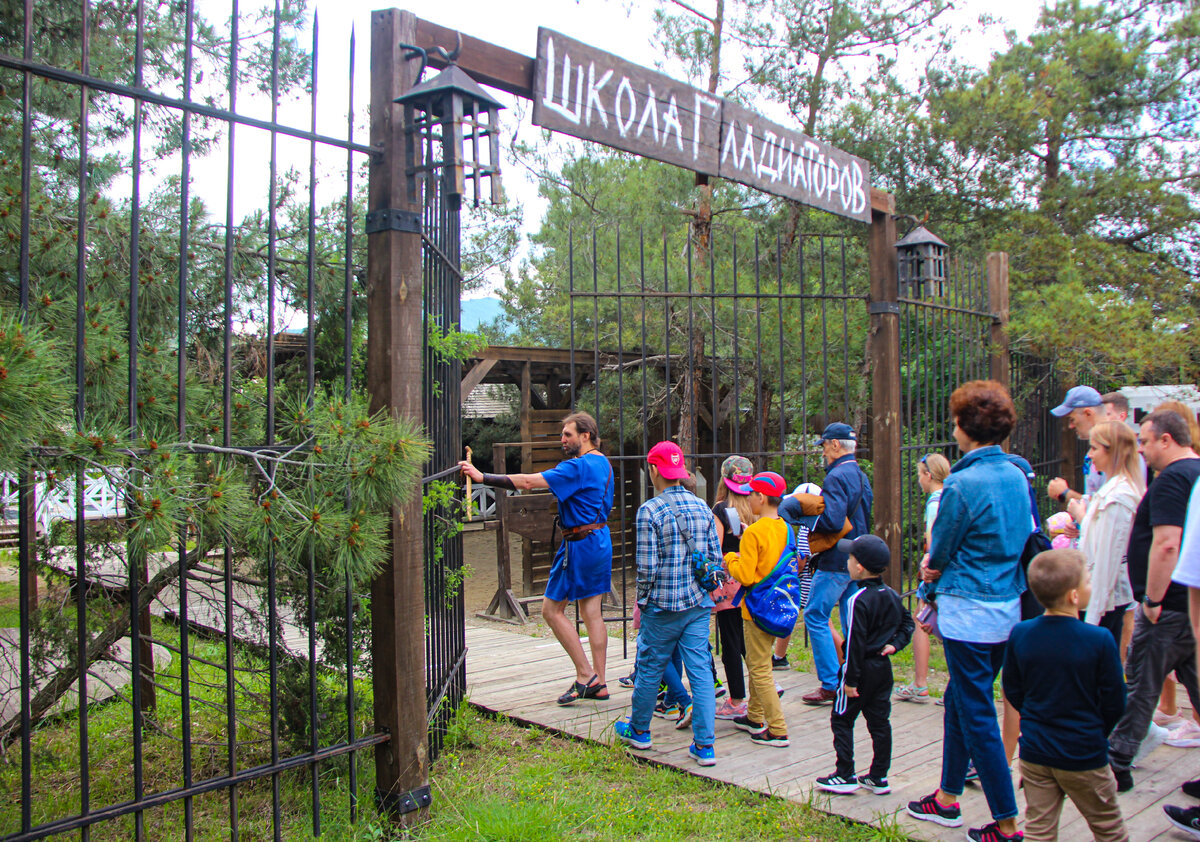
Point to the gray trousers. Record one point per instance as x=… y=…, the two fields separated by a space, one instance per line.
x=1155 y=650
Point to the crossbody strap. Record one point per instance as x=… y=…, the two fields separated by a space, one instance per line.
x=683 y=530
x=783 y=557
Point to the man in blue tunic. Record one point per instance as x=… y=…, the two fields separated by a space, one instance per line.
x=582 y=569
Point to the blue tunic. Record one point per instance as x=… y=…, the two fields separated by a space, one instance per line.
x=584 y=490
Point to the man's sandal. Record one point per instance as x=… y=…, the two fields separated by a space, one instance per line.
x=578 y=691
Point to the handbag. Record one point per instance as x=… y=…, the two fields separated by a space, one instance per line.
x=774 y=602
x=709 y=570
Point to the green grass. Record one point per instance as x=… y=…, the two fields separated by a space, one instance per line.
x=497 y=781
x=55 y=759
x=10 y=608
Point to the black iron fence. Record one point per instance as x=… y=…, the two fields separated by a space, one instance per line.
x=749 y=344
x=181 y=266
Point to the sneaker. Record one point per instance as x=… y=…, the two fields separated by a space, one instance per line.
x=766 y=738
x=1124 y=778
x=719 y=690
x=972 y=774
x=929 y=810
x=1187 y=820
x=1186 y=735
x=780 y=663
x=731 y=711
x=909 y=693
x=879 y=786
x=1170 y=721
x=1192 y=788
x=745 y=723
x=991 y=833
x=704 y=755
x=634 y=739
x=779 y=691
x=820 y=696
x=1156 y=736
x=626 y=681
x=837 y=783
x=665 y=711
x=940 y=701
x=685 y=718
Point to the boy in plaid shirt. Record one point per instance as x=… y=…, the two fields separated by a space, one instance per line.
x=675 y=609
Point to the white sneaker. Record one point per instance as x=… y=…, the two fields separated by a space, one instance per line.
x=1156 y=736
x=1186 y=735
x=1168 y=721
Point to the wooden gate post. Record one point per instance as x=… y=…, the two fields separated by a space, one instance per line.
x=394 y=340
x=997 y=277
x=884 y=309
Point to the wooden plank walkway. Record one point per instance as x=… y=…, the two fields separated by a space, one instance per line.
x=520 y=676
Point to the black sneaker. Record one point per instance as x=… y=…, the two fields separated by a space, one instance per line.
x=1184 y=819
x=747 y=724
x=1192 y=788
x=991 y=833
x=879 y=786
x=766 y=738
x=972 y=774
x=837 y=783
x=1124 y=779
x=929 y=810
x=780 y=663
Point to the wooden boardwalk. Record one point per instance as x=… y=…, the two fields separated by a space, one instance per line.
x=520 y=676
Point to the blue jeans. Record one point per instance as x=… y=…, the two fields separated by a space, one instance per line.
x=673 y=677
x=971 y=731
x=661 y=632
x=828 y=589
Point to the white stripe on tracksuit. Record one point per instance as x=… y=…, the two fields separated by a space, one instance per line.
x=839 y=704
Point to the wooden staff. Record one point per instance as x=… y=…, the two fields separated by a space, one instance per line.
x=468 y=486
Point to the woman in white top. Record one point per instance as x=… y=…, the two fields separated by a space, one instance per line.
x=1106 y=521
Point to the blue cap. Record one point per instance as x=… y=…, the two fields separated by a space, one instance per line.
x=839 y=431
x=1077 y=398
x=793 y=514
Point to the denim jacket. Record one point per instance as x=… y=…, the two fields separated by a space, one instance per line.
x=982 y=525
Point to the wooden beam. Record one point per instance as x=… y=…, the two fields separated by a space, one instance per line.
x=394 y=380
x=997 y=275
x=884 y=345
x=475 y=376
x=486 y=63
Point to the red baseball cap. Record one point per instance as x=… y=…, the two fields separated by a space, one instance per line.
x=668 y=458
x=768 y=483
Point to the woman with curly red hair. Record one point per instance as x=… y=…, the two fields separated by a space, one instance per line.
x=974 y=568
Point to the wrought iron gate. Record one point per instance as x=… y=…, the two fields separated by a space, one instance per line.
x=748 y=347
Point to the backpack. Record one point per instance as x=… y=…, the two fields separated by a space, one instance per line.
x=774 y=602
x=709 y=570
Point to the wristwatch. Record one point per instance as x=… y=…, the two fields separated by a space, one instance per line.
x=1062 y=498
x=1150 y=603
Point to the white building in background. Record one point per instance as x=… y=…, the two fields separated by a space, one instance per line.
x=1142 y=399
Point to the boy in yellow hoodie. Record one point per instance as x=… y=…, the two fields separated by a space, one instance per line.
x=763 y=543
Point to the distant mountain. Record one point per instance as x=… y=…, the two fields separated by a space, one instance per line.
x=476 y=311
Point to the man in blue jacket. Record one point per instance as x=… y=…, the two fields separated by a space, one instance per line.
x=847 y=493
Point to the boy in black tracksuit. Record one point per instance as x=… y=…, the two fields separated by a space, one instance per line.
x=878 y=627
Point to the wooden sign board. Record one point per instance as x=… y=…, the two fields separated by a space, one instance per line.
x=594 y=95
x=788 y=163
x=597 y=96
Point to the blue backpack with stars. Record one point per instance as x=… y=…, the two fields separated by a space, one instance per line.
x=774 y=602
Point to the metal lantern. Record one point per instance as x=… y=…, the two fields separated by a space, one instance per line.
x=922 y=258
x=458 y=126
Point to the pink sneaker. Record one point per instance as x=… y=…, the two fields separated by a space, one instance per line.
x=731 y=711
x=1186 y=735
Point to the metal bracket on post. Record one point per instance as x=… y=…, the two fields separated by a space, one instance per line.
x=399 y=803
x=391 y=219
x=882 y=308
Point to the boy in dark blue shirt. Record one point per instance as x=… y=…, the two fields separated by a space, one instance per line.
x=1064 y=676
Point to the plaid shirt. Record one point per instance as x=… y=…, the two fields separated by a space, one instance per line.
x=665 y=577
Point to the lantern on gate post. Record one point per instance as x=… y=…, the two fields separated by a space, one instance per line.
x=457 y=123
x=922 y=264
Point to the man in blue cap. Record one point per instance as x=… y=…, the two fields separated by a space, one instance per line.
x=847 y=493
x=1084 y=408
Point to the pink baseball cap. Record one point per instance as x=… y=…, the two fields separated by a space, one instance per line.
x=668 y=458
